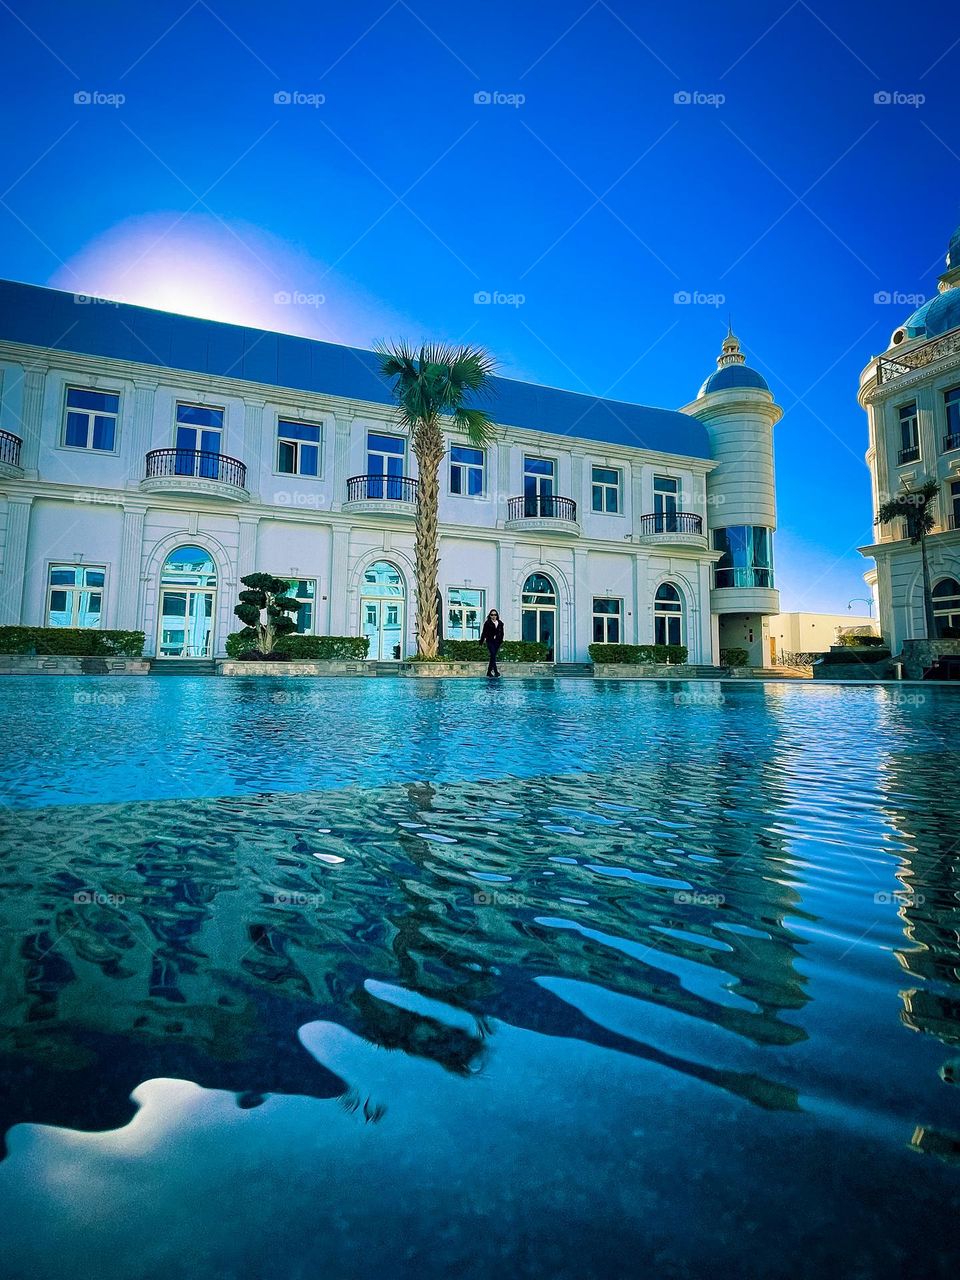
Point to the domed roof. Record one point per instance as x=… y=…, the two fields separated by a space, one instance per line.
x=938 y=315
x=732 y=370
x=734 y=375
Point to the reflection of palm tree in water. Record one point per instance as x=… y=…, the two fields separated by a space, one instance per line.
x=231 y=939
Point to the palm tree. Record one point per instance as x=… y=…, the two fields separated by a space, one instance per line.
x=916 y=507
x=432 y=386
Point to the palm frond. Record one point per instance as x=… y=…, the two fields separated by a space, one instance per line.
x=477 y=424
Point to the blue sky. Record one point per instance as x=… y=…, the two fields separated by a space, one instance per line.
x=584 y=193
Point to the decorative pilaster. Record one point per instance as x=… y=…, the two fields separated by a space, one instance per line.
x=337 y=587
x=127 y=612
x=141 y=433
x=247 y=545
x=31 y=418
x=14 y=560
x=253 y=442
x=341 y=463
x=643 y=611
x=582 y=615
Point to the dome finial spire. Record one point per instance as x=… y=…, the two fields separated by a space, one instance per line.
x=730 y=352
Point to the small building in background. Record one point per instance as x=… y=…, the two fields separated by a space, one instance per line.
x=806 y=633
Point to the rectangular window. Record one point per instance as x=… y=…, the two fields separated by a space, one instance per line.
x=953 y=516
x=951 y=413
x=606 y=490
x=666 y=504
x=466 y=471
x=538 y=480
x=909 y=433
x=91 y=421
x=385 y=457
x=199 y=441
x=607 y=620
x=304 y=590
x=75 y=595
x=298 y=448
x=465 y=613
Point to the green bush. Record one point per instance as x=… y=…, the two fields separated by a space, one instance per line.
x=735 y=657
x=860 y=642
x=634 y=654
x=510 y=651
x=72 y=642
x=303 y=648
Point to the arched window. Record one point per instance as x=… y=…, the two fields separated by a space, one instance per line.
x=538 y=617
x=668 y=615
x=946 y=608
x=382 y=611
x=188 y=590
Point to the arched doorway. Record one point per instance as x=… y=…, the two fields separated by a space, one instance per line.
x=538 y=621
x=383 y=611
x=188 y=596
x=946 y=608
x=667 y=615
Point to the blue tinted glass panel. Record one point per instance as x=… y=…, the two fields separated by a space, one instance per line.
x=385 y=444
x=94 y=577
x=105 y=401
x=461 y=454
x=474 y=482
x=104 y=430
x=299 y=431
x=538 y=466
x=199 y=416
x=76 y=433
x=309 y=460
x=287 y=458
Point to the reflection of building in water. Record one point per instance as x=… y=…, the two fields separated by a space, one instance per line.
x=212 y=930
x=929 y=900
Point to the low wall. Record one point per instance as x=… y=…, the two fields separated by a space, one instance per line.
x=645 y=671
x=327 y=667
x=473 y=669
x=44 y=664
x=918 y=655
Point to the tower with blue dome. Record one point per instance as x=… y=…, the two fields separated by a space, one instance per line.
x=738 y=411
x=911 y=394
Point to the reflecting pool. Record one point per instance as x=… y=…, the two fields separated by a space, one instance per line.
x=541 y=979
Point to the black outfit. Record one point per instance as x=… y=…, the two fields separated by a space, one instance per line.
x=492 y=637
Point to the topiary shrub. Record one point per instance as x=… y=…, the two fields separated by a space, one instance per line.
x=735 y=657
x=71 y=642
x=510 y=651
x=860 y=642
x=301 y=648
x=265 y=607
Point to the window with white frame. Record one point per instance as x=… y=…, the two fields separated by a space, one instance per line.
x=606 y=490
x=75 y=595
x=91 y=419
x=305 y=591
x=607 y=620
x=466 y=471
x=298 y=447
x=909 y=423
x=465 y=613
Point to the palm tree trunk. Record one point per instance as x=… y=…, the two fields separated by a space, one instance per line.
x=429 y=450
x=928 y=617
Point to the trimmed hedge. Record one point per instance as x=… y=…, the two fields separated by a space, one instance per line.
x=637 y=654
x=861 y=642
x=735 y=657
x=72 y=642
x=510 y=651
x=303 y=648
x=849 y=657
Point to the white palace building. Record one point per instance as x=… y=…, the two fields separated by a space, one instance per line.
x=149 y=460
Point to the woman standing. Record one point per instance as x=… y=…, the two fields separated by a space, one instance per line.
x=492 y=637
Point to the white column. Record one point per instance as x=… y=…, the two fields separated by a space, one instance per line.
x=141 y=432
x=127 y=609
x=253 y=442
x=582 y=608
x=577 y=458
x=643 y=610
x=14 y=560
x=337 y=587
x=31 y=418
x=341 y=468
x=247 y=545
x=502 y=496
x=505 y=603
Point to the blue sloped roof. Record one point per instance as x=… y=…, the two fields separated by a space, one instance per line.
x=938 y=315
x=52 y=319
x=734 y=375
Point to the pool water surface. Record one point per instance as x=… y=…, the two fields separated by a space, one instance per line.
x=541 y=979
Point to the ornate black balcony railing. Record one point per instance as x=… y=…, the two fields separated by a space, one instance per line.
x=908 y=455
x=951 y=441
x=671 y=522
x=196 y=463
x=541 y=504
x=10 y=448
x=389 y=488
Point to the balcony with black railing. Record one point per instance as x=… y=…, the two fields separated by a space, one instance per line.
x=898 y=366
x=388 y=495
x=195 y=471
x=10 y=446
x=910 y=454
x=544 y=511
x=951 y=441
x=672 y=526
